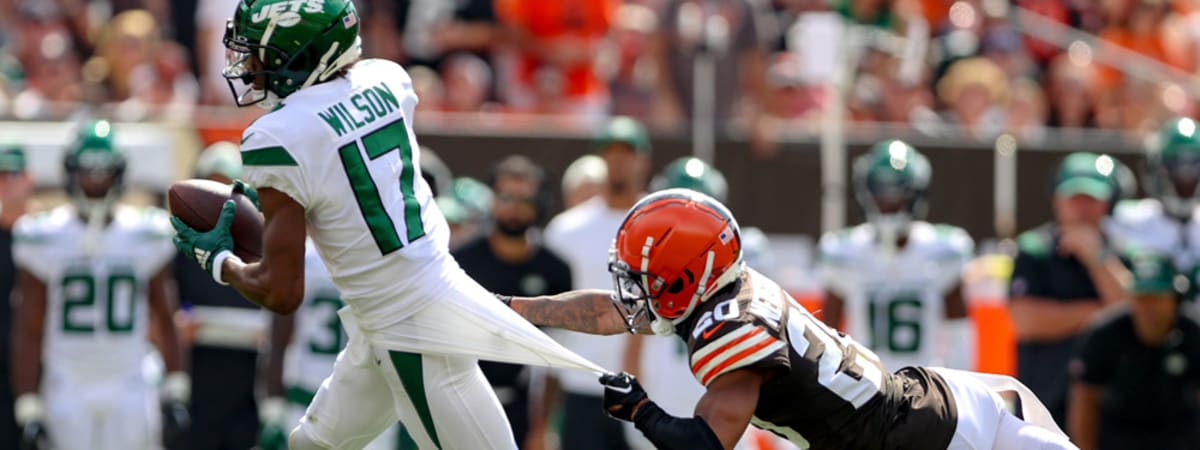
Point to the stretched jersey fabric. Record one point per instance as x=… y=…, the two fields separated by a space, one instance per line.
x=345 y=150
x=827 y=391
x=97 y=308
x=895 y=299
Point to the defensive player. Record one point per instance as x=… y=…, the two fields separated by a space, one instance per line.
x=94 y=277
x=677 y=269
x=895 y=279
x=336 y=158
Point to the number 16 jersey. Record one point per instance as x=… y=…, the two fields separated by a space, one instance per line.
x=825 y=390
x=345 y=151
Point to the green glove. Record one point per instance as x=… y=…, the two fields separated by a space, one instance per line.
x=205 y=247
x=241 y=187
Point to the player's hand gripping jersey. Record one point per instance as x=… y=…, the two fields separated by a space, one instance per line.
x=894 y=297
x=850 y=400
x=345 y=151
x=97 y=307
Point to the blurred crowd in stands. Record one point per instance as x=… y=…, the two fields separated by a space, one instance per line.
x=924 y=63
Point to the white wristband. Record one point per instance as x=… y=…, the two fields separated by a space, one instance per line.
x=177 y=387
x=219 y=261
x=28 y=408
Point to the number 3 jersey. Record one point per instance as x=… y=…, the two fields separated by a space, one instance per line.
x=97 y=308
x=825 y=390
x=895 y=298
x=345 y=151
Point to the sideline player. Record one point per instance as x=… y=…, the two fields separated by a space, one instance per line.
x=94 y=277
x=896 y=279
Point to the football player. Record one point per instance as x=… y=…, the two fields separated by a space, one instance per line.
x=895 y=279
x=1167 y=222
x=304 y=346
x=93 y=280
x=765 y=360
x=336 y=157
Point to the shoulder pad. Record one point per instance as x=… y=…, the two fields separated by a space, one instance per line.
x=40 y=226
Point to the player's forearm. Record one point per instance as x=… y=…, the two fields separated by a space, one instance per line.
x=26 y=349
x=1082 y=415
x=1042 y=319
x=1111 y=279
x=585 y=311
x=255 y=283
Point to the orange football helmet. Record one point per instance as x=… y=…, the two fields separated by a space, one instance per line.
x=675 y=249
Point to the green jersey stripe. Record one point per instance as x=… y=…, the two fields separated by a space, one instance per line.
x=269 y=156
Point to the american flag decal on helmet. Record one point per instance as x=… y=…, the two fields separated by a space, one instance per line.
x=350 y=20
x=725 y=235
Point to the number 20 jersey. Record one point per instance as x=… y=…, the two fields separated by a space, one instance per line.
x=826 y=391
x=345 y=151
x=97 y=309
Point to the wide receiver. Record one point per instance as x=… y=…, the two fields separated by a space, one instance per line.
x=895 y=279
x=94 y=278
x=337 y=158
x=764 y=360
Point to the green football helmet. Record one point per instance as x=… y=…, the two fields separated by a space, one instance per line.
x=93 y=155
x=279 y=46
x=1173 y=167
x=695 y=174
x=890 y=184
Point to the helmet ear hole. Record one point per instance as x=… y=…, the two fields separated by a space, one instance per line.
x=676 y=286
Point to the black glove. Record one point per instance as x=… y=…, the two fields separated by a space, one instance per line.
x=175 y=422
x=33 y=437
x=622 y=394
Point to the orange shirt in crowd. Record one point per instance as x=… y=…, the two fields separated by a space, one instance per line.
x=561 y=22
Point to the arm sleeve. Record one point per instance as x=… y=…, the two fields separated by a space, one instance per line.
x=269 y=164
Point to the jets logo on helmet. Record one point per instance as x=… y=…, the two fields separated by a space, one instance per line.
x=287 y=13
x=674 y=250
x=277 y=47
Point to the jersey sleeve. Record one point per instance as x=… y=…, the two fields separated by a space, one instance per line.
x=955 y=250
x=157 y=232
x=268 y=163
x=731 y=337
x=834 y=263
x=31 y=243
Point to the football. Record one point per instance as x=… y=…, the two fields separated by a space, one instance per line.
x=198 y=204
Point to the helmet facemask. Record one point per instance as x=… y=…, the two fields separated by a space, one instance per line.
x=242 y=57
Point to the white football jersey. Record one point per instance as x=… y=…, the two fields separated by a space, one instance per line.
x=895 y=299
x=345 y=150
x=97 y=308
x=317 y=336
x=1143 y=224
